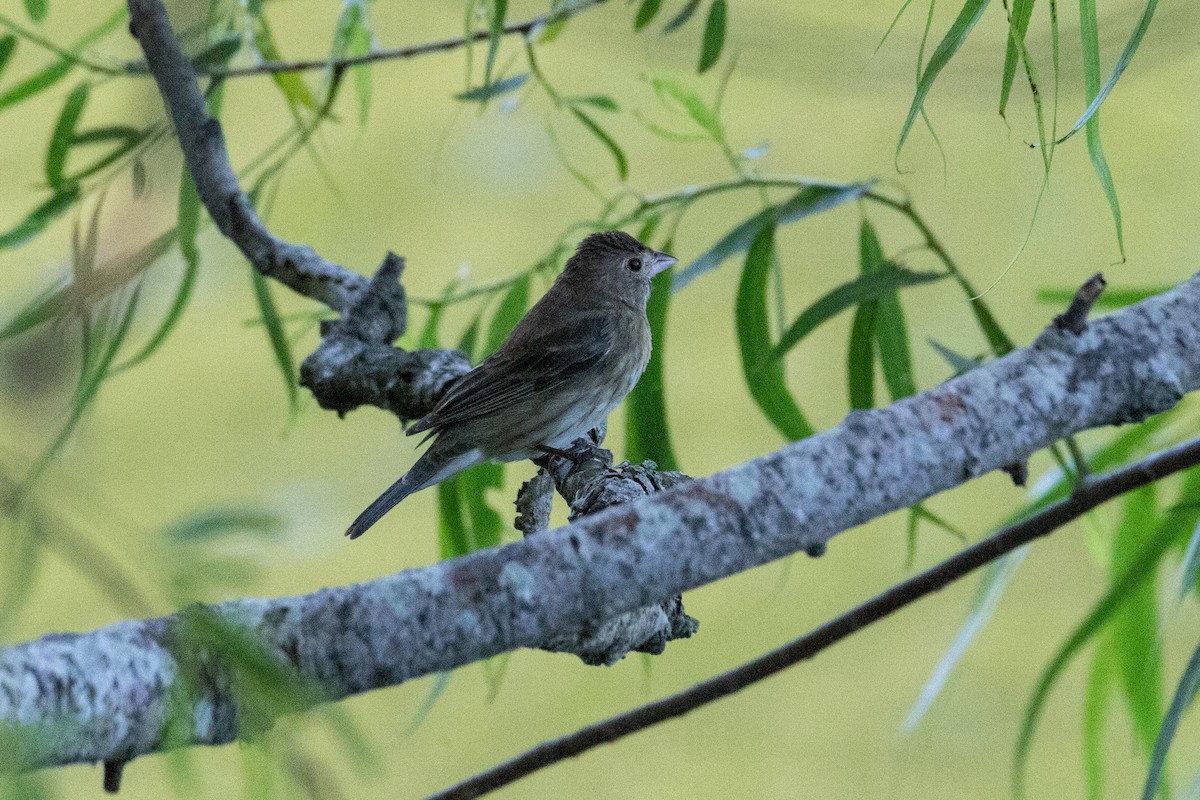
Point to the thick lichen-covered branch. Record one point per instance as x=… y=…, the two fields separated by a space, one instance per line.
x=107 y=695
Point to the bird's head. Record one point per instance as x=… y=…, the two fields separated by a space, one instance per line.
x=615 y=263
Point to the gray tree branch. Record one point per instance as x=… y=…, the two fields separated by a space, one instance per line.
x=1094 y=492
x=108 y=695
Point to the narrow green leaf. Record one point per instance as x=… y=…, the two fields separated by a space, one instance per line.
x=895 y=20
x=891 y=332
x=1138 y=570
x=714 y=36
x=495 y=34
x=486 y=525
x=1111 y=298
x=215 y=523
x=48 y=76
x=808 y=201
x=494 y=670
x=7 y=45
x=672 y=95
x=860 y=356
x=971 y=11
x=992 y=584
x=646 y=13
x=119 y=273
x=600 y=101
x=38 y=82
x=1096 y=706
x=958 y=362
x=428 y=340
x=1131 y=47
x=486 y=92
x=1184 y=515
x=679 y=20
x=764 y=375
x=290 y=84
x=1018 y=25
x=95 y=372
x=1091 y=82
x=880 y=286
x=21 y=570
x=276 y=334
x=614 y=149
x=997 y=339
x=1185 y=693
x=37 y=9
x=647 y=435
x=343 y=30
x=440 y=681
x=108 y=133
x=64 y=135
x=508 y=314
x=1190 y=569
x=218 y=53
x=40 y=217
x=914 y=523
x=189 y=224
x=469 y=338
x=452 y=530
x=1135 y=624
x=362 y=45
x=924 y=513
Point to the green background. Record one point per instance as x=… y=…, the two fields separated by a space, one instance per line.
x=205 y=422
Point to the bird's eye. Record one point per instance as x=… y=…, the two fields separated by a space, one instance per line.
x=634 y=264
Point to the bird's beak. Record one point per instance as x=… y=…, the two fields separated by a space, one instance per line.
x=660 y=262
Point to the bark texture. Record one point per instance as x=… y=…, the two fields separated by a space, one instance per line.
x=107 y=695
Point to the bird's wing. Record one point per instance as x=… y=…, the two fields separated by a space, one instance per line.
x=537 y=365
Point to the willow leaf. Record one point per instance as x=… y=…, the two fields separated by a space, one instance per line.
x=1088 y=31
x=764 y=375
x=971 y=11
x=647 y=435
x=1131 y=47
x=714 y=36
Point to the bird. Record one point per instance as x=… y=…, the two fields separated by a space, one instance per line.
x=568 y=363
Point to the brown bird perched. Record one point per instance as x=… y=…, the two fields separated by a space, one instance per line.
x=566 y=365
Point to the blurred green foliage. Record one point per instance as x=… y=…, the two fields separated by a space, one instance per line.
x=94 y=147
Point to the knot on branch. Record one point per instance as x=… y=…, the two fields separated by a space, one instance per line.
x=589 y=485
x=379 y=314
x=356 y=365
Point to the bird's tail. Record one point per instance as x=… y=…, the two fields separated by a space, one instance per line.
x=435 y=465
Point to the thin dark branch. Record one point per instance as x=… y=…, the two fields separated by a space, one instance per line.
x=203 y=145
x=1093 y=493
x=388 y=54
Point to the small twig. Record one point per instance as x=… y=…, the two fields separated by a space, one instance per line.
x=113 y=770
x=1096 y=492
x=389 y=54
x=1074 y=319
x=1019 y=472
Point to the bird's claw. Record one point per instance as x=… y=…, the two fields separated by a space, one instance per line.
x=581 y=451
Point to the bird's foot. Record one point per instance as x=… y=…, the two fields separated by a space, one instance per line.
x=581 y=451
